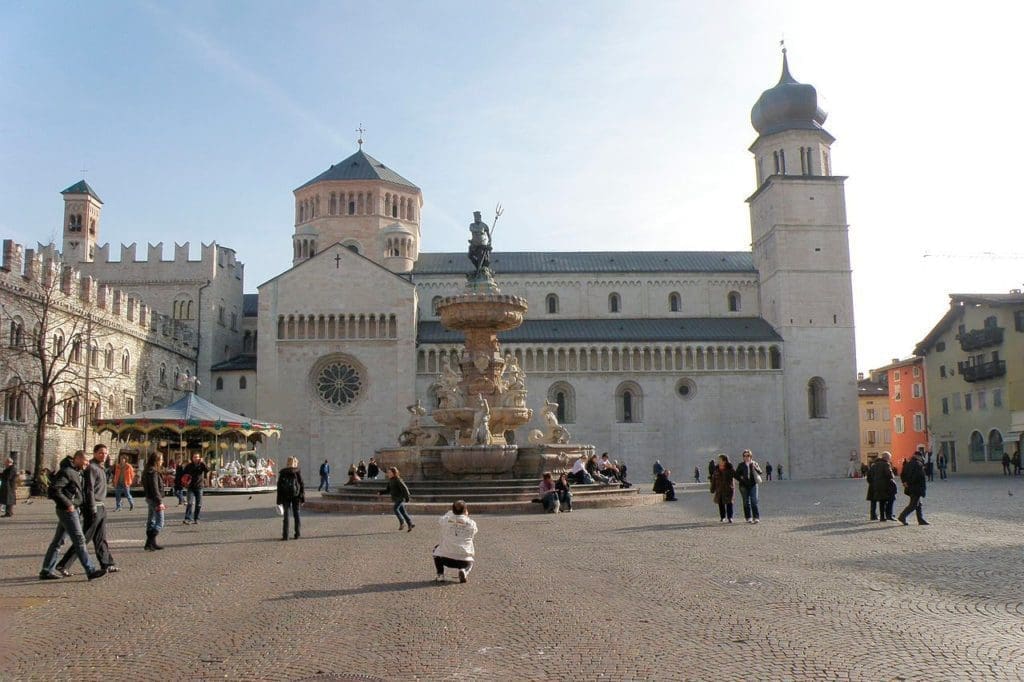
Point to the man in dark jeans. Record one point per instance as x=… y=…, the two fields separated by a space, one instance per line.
x=66 y=492
x=194 y=478
x=914 y=485
x=94 y=514
x=325 y=476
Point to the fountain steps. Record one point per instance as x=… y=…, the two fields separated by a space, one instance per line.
x=435 y=497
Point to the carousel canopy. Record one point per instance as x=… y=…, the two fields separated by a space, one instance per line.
x=191 y=413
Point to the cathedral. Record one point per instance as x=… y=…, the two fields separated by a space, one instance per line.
x=665 y=355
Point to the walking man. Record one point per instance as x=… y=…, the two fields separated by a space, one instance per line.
x=66 y=492
x=9 y=487
x=94 y=514
x=194 y=478
x=914 y=485
x=325 y=477
x=768 y=471
x=124 y=476
x=941 y=462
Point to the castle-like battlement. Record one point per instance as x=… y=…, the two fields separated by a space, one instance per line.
x=44 y=267
x=212 y=253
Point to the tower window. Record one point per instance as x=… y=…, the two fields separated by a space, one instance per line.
x=220 y=383
x=614 y=303
x=675 y=304
x=242 y=384
x=551 y=302
x=351 y=208
x=734 y=302
x=816 y=399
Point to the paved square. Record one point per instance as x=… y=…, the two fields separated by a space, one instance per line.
x=658 y=592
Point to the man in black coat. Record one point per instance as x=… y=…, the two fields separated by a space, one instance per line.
x=9 y=484
x=66 y=492
x=914 y=485
x=94 y=512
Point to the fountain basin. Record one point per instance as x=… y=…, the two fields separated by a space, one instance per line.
x=461 y=460
x=502 y=418
x=492 y=312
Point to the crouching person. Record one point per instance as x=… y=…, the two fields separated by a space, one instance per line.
x=548 y=494
x=663 y=484
x=455 y=550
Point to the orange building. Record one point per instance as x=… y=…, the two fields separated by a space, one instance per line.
x=907 y=407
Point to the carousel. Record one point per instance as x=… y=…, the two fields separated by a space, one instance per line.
x=234 y=447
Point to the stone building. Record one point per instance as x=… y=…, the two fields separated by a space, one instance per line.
x=875 y=430
x=653 y=355
x=106 y=352
x=974 y=375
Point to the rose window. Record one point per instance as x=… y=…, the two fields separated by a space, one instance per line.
x=338 y=384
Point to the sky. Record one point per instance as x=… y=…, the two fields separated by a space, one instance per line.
x=597 y=125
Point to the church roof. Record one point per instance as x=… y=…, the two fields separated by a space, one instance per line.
x=360 y=166
x=82 y=187
x=706 y=329
x=591 y=261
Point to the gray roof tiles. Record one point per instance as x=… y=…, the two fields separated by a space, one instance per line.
x=704 y=329
x=515 y=262
x=360 y=166
x=82 y=187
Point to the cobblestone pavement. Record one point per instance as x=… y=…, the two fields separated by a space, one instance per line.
x=659 y=592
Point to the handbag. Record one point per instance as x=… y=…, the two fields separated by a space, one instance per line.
x=280 y=509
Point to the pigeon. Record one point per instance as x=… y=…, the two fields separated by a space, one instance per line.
x=250 y=497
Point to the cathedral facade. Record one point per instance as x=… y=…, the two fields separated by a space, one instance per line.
x=674 y=356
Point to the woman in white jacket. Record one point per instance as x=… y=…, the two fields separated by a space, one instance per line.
x=456 y=547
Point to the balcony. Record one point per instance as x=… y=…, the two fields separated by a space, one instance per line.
x=983 y=371
x=981 y=338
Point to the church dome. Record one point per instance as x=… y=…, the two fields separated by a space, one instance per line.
x=788 y=106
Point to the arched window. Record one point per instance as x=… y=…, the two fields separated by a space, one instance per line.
x=433 y=305
x=352 y=208
x=995 y=445
x=817 y=407
x=563 y=395
x=14 y=401
x=76 y=349
x=774 y=358
x=675 y=303
x=51 y=410
x=220 y=383
x=241 y=383
x=108 y=358
x=162 y=380
x=94 y=354
x=551 y=303
x=17 y=339
x=614 y=303
x=72 y=410
x=628 y=403
x=126 y=362
x=353 y=247
x=977 y=447
x=734 y=301
x=333 y=206
x=58 y=345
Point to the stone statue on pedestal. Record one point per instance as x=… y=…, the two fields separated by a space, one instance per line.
x=482 y=422
x=479 y=244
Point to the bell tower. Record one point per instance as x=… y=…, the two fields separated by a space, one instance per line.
x=800 y=243
x=82 y=208
x=364 y=205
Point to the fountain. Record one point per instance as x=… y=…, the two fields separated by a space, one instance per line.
x=480 y=404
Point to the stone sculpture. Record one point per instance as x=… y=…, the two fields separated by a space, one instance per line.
x=482 y=422
x=553 y=432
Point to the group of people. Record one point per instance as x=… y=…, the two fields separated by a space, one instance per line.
x=588 y=470
x=1009 y=460
x=882 y=488
x=726 y=479
x=554 y=495
x=79 y=490
x=357 y=472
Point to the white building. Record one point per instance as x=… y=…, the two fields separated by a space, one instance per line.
x=657 y=355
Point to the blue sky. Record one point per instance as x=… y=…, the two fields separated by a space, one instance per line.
x=598 y=125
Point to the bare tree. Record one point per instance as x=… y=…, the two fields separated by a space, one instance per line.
x=52 y=350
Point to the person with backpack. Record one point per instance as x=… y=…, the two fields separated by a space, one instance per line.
x=291 y=492
x=325 y=477
x=399 y=493
x=67 y=493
